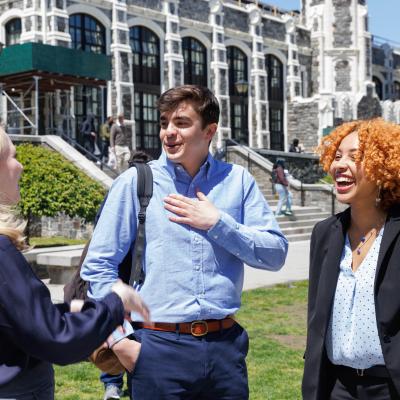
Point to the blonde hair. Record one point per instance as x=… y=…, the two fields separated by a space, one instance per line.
x=10 y=225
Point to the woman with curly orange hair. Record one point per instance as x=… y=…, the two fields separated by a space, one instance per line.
x=353 y=341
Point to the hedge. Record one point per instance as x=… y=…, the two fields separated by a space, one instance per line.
x=51 y=185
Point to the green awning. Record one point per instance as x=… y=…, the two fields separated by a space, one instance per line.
x=21 y=59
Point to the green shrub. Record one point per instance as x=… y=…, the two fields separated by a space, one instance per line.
x=51 y=185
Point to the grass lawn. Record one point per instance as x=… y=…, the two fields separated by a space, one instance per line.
x=275 y=319
x=54 y=241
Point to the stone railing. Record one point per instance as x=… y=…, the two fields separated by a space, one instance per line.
x=304 y=194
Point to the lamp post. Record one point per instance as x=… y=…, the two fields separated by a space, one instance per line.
x=242 y=87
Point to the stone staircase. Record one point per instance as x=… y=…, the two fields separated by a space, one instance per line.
x=298 y=226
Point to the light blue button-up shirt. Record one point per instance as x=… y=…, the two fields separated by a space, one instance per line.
x=191 y=274
x=352 y=337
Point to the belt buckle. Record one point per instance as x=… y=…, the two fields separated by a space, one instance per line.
x=197 y=323
x=360 y=372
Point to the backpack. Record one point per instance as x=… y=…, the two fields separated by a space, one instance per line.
x=130 y=269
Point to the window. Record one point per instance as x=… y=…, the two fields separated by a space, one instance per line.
x=195 y=62
x=145 y=46
x=88 y=101
x=237 y=64
x=396 y=90
x=13 y=31
x=276 y=101
x=378 y=87
x=275 y=78
x=87 y=34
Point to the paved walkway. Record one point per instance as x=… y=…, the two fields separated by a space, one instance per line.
x=295 y=269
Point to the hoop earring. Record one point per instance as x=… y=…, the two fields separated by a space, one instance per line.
x=378 y=197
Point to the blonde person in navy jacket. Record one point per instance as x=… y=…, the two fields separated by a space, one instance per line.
x=33 y=331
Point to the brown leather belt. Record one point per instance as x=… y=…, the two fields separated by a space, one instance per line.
x=195 y=328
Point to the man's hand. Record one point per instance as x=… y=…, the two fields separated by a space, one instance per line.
x=199 y=214
x=127 y=352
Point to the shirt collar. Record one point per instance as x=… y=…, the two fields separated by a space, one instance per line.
x=172 y=168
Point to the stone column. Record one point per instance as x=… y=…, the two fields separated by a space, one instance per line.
x=173 y=58
x=258 y=98
x=123 y=96
x=219 y=69
x=33 y=21
x=293 y=79
x=57 y=22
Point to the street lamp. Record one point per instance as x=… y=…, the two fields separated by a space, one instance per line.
x=242 y=87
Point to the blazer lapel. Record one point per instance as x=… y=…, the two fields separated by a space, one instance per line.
x=392 y=229
x=330 y=269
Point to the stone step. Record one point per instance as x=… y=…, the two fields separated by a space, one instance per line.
x=293 y=224
x=298 y=229
x=298 y=210
x=297 y=216
x=298 y=237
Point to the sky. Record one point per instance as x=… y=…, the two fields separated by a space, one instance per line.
x=383 y=16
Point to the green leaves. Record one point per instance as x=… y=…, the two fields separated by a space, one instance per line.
x=51 y=185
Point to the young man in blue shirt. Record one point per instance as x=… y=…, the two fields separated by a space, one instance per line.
x=206 y=219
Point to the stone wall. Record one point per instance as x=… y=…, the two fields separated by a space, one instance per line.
x=303 y=123
x=342 y=76
x=198 y=10
x=314 y=78
x=342 y=24
x=274 y=30
x=153 y=4
x=235 y=19
x=307 y=62
x=369 y=106
x=62 y=225
x=303 y=38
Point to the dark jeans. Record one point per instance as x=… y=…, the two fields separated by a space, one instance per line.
x=116 y=380
x=105 y=144
x=36 y=383
x=173 y=366
x=363 y=388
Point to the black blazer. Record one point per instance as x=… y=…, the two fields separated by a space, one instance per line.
x=33 y=329
x=327 y=243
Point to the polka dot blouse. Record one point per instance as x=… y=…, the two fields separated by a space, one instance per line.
x=352 y=337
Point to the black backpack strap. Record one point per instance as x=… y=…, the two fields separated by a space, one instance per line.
x=144 y=193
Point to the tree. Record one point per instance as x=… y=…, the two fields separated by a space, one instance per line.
x=51 y=185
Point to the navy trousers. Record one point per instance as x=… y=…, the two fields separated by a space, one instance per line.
x=174 y=366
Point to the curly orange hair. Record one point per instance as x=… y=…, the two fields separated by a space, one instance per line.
x=379 y=153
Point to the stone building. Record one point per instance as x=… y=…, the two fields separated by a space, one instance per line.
x=277 y=74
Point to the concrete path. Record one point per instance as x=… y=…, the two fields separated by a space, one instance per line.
x=295 y=269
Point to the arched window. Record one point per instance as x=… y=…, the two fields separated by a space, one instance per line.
x=145 y=46
x=87 y=33
x=276 y=101
x=13 y=31
x=396 y=90
x=237 y=64
x=378 y=87
x=195 y=62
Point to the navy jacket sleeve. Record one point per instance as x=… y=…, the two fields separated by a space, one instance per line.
x=39 y=328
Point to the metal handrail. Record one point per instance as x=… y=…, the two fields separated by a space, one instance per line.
x=89 y=155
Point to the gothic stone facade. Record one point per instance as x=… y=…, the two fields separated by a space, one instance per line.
x=305 y=71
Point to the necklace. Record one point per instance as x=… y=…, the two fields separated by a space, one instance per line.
x=363 y=241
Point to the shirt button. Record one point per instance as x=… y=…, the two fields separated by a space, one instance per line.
x=197 y=267
x=238 y=254
x=260 y=261
x=386 y=339
x=215 y=236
